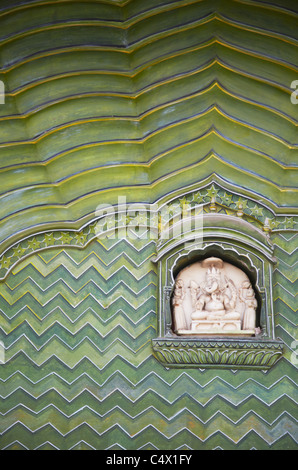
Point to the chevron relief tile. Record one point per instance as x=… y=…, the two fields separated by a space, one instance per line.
x=164 y=95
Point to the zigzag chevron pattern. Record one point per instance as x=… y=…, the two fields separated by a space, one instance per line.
x=83 y=376
x=163 y=93
x=285 y=292
x=139 y=99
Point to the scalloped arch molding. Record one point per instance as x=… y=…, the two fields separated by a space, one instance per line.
x=156 y=101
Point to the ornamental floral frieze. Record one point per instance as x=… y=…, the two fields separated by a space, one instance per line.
x=216 y=199
x=150 y=221
x=43 y=241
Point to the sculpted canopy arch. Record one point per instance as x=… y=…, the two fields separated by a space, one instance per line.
x=244 y=261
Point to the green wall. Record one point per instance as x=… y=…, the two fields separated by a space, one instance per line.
x=139 y=99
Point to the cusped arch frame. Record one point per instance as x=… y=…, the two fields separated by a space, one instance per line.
x=243 y=244
x=245 y=251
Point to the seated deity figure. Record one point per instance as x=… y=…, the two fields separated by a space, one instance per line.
x=213 y=297
x=218 y=298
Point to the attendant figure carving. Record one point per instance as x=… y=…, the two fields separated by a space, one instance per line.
x=177 y=304
x=247 y=296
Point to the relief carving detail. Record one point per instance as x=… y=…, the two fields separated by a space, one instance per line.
x=213 y=297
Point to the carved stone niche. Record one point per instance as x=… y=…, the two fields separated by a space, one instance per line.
x=214 y=298
x=215 y=304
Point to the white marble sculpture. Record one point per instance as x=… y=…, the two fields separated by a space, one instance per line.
x=213 y=297
x=247 y=295
x=179 y=294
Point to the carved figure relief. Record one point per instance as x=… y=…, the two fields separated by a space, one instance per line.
x=213 y=297
x=247 y=296
x=178 y=308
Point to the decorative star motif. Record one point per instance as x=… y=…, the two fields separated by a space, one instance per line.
x=273 y=223
x=92 y=229
x=212 y=192
x=289 y=222
x=33 y=244
x=5 y=262
x=121 y=220
x=198 y=198
x=140 y=219
x=49 y=239
x=81 y=237
x=241 y=203
x=18 y=251
x=256 y=211
x=99 y=229
x=65 y=238
x=184 y=202
x=227 y=199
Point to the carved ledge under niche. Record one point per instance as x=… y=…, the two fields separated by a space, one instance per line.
x=204 y=353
